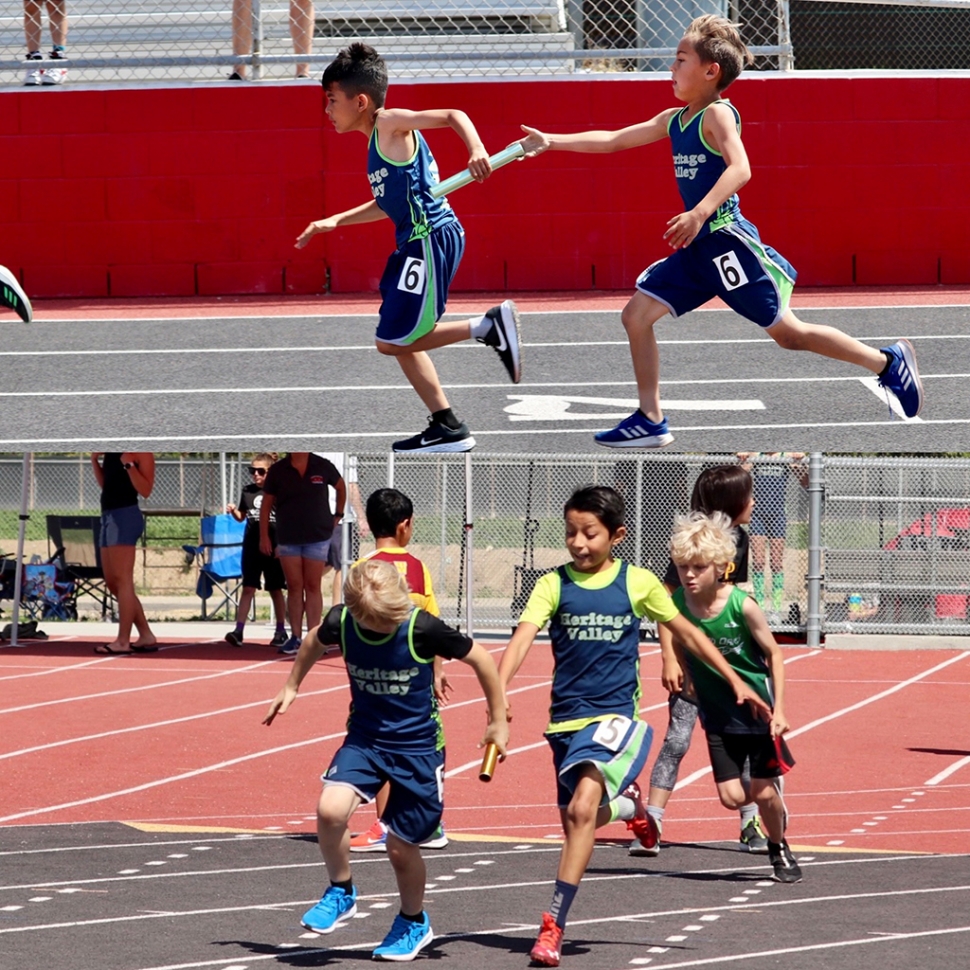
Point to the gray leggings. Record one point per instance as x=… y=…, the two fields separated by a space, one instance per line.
x=680 y=727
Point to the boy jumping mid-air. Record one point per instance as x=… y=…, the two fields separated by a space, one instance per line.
x=717 y=252
x=430 y=239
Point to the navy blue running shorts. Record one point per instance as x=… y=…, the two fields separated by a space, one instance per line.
x=416 y=800
x=732 y=263
x=616 y=746
x=414 y=287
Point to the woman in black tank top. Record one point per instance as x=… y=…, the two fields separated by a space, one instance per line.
x=122 y=477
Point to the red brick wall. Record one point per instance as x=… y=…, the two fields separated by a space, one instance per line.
x=203 y=189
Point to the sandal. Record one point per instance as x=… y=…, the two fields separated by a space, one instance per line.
x=105 y=648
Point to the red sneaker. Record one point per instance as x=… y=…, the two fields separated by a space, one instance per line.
x=373 y=840
x=549 y=943
x=642 y=825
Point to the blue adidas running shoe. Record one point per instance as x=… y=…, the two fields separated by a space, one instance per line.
x=902 y=377
x=334 y=908
x=636 y=431
x=405 y=940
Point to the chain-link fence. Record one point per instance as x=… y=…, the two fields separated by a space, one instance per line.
x=887 y=549
x=196 y=40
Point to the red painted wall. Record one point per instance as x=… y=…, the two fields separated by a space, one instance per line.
x=178 y=191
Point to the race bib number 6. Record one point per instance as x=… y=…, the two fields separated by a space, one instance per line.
x=611 y=732
x=413 y=275
x=732 y=273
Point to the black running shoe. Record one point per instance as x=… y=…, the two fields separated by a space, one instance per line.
x=13 y=296
x=435 y=439
x=503 y=337
x=783 y=862
x=234 y=637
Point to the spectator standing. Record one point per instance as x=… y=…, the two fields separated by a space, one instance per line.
x=347 y=466
x=57 y=22
x=122 y=477
x=255 y=565
x=297 y=489
x=301 y=30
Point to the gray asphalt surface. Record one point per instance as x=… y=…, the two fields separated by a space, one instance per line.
x=109 y=897
x=297 y=383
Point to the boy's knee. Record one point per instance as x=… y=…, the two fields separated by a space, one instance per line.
x=788 y=338
x=389 y=350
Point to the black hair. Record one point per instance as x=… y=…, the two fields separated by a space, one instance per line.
x=358 y=69
x=387 y=508
x=600 y=500
x=723 y=488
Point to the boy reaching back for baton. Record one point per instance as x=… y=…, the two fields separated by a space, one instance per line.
x=717 y=252
x=430 y=239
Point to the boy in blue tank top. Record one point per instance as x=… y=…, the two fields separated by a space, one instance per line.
x=430 y=239
x=394 y=734
x=702 y=546
x=599 y=744
x=717 y=252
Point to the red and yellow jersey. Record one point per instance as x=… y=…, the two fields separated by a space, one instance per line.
x=415 y=574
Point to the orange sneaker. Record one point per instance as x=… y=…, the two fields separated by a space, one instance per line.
x=642 y=825
x=373 y=840
x=549 y=943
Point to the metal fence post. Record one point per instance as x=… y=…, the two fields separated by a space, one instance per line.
x=813 y=579
x=18 y=576
x=469 y=531
x=257 y=40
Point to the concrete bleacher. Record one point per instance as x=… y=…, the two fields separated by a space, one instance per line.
x=191 y=39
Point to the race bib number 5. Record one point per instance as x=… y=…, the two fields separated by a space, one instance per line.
x=413 y=275
x=732 y=273
x=611 y=732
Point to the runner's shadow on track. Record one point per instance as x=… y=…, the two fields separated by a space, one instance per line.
x=954 y=752
x=513 y=945
x=322 y=957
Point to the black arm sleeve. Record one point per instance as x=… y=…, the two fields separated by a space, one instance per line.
x=329 y=632
x=433 y=638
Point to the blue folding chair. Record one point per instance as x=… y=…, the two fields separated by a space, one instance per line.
x=219 y=557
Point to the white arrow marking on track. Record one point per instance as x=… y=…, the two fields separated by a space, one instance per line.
x=556 y=407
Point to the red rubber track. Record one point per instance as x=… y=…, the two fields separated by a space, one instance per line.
x=174 y=739
x=336 y=304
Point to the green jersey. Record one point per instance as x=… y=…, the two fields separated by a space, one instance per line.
x=728 y=631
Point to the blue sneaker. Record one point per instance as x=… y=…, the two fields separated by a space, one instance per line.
x=405 y=940
x=902 y=377
x=291 y=647
x=636 y=431
x=334 y=908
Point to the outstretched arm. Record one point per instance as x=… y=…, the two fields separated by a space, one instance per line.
x=536 y=142
x=311 y=650
x=368 y=212
x=698 y=643
x=497 y=730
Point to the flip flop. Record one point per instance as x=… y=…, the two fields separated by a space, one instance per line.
x=105 y=648
x=152 y=649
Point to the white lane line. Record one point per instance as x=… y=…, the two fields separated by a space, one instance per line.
x=256 y=438
x=702 y=772
x=946 y=772
x=196 y=772
x=64 y=668
x=159 y=724
x=134 y=690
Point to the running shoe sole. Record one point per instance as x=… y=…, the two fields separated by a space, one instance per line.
x=13 y=296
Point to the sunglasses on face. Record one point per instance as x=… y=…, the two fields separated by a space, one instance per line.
x=256 y=471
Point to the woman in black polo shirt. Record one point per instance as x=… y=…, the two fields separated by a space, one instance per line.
x=297 y=488
x=122 y=477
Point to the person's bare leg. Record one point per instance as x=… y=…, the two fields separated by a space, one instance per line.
x=57 y=21
x=244 y=604
x=334 y=809
x=242 y=31
x=794 y=334
x=279 y=605
x=301 y=30
x=420 y=371
x=312 y=592
x=293 y=571
x=639 y=316
x=118 y=565
x=32 y=25
x=338 y=586
x=410 y=872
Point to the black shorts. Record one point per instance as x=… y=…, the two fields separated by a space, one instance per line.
x=769 y=757
x=255 y=565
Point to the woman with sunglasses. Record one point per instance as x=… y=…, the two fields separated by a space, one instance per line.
x=255 y=565
x=297 y=489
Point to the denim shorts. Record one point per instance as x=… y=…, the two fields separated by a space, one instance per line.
x=122 y=527
x=319 y=551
